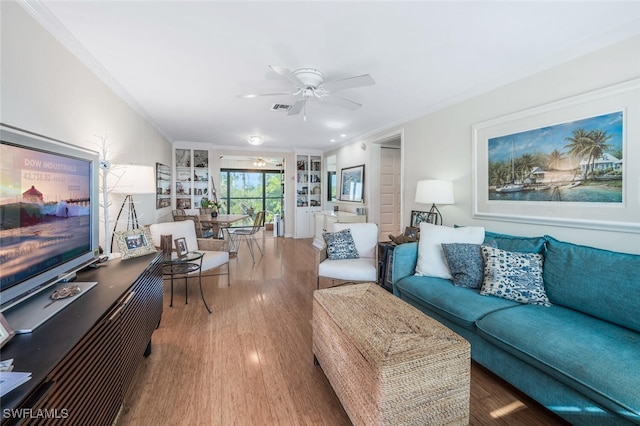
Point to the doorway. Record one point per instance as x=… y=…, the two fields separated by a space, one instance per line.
x=390 y=206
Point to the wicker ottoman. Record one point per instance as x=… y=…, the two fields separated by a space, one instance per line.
x=388 y=363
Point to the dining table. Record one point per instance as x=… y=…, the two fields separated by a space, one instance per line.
x=222 y=222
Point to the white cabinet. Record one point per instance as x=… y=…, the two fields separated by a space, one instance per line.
x=324 y=221
x=308 y=192
x=191 y=177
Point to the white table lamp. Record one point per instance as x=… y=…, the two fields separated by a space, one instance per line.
x=434 y=192
x=134 y=180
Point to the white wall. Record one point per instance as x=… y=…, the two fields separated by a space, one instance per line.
x=438 y=145
x=355 y=154
x=47 y=90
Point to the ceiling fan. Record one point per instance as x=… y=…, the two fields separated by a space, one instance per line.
x=309 y=83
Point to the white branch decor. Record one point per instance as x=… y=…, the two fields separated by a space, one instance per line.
x=105 y=169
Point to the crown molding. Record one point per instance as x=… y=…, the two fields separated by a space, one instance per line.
x=39 y=11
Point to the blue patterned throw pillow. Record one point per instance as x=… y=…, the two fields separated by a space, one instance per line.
x=466 y=263
x=514 y=276
x=340 y=245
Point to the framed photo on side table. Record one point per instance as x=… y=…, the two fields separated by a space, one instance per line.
x=181 y=246
x=417 y=217
x=412 y=232
x=134 y=243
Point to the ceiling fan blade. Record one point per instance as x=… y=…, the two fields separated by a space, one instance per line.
x=297 y=107
x=349 y=83
x=255 y=95
x=342 y=102
x=288 y=75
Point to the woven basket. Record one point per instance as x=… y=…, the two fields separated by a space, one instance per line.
x=388 y=363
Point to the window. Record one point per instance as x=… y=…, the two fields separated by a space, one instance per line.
x=244 y=190
x=331 y=186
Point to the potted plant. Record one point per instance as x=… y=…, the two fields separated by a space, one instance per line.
x=215 y=206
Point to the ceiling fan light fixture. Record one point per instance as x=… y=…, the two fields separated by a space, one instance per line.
x=259 y=162
x=255 y=139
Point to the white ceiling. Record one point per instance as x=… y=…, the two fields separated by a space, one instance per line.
x=183 y=64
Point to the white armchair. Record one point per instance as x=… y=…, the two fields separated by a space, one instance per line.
x=342 y=271
x=214 y=253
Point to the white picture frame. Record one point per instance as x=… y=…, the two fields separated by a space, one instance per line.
x=134 y=243
x=619 y=216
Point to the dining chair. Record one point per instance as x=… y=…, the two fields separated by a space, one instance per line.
x=177 y=213
x=248 y=233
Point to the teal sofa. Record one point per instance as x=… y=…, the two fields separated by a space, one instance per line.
x=580 y=357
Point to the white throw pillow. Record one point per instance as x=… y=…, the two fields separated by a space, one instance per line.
x=431 y=259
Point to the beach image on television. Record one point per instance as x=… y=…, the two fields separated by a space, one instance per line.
x=44 y=211
x=577 y=161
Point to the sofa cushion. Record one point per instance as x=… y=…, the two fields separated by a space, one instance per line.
x=516 y=243
x=514 y=276
x=598 y=358
x=598 y=282
x=463 y=306
x=431 y=261
x=465 y=263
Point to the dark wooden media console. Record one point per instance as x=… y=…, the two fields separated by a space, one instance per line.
x=83 y=359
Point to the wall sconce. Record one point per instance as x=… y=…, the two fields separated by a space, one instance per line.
x=255 y=139
x=432 y=192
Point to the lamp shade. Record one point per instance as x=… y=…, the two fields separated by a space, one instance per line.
x=136 y=180
x=434 y=192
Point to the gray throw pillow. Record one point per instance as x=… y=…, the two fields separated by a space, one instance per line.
x=340 y=245
x=466 y=263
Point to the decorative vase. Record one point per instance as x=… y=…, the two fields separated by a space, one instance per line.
x=214 y=213
x=166 y=244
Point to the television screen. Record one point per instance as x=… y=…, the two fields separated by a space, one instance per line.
x=48 y=217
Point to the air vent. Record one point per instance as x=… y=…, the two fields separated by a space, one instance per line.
x=280 y=107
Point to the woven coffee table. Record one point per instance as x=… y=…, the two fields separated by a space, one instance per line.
x=389 y=363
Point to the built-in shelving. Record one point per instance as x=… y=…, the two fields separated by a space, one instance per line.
x=308 y=192
x=192 y=181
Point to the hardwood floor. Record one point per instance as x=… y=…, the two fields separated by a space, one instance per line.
x=250 y=361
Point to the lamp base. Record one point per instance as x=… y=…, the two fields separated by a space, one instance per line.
x=132 y=217
x=435 y=213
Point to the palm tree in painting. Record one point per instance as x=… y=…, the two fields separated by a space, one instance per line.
x=596 y=148
x=525 y=165
x=554 y=160
x=588 y=145
x=577 y=143
x=498 y=174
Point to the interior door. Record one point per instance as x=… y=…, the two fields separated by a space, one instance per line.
x=390 y=168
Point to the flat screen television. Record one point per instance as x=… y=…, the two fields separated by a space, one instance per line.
x=49 y=213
